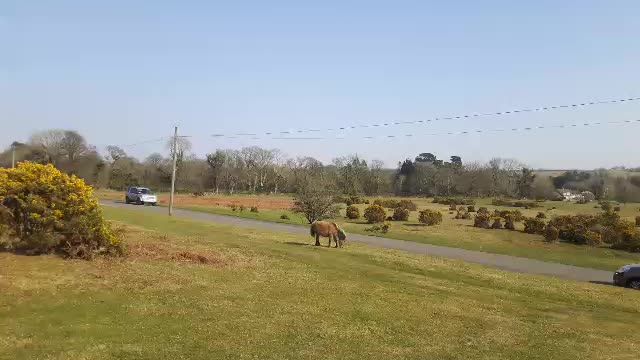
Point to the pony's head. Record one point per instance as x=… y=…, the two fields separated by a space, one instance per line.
x=342 y=235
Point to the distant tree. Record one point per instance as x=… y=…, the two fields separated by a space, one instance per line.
x=217 y=162
x=115 y=153
x=426 y=157
x=314 y=200
x=456 y=161
x=525 y=182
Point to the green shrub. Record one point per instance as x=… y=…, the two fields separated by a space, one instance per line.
x=534 y=226
x=383 y=228
x=497 y=223
x=408 y=204
x=551 y=233
x=508 y=222
x=541 y=215
x=482 y=220
x=374 y=214
x=483 y=210
x=529 y=204
x=592 y=238
x=400 y=214
x=386 y=203
x=254 y=209
x=517 y=216
x=630 y=241
x=471 y=208
x=350 y=200
x=462 y=215
x=284 y=217
x=43 y=210
x=448 y=200
x=430 y=217
x=606 y=205
x=352 y=212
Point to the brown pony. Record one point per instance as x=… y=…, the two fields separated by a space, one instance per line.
x=330 y=230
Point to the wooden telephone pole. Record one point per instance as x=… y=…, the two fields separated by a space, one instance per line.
x=173 y=173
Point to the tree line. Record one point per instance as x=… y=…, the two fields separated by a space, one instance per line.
x=260 y=170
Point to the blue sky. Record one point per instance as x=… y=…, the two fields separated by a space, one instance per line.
x=122 y=72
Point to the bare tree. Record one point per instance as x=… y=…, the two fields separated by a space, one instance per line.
x=50 y=141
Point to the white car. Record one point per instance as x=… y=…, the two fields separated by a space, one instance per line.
x=140 y=195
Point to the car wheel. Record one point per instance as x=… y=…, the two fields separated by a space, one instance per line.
x=634 y=284
x=140 y=202
x=126 y=200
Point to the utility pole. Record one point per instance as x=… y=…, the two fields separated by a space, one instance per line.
x=173 y=173
x=14 y=145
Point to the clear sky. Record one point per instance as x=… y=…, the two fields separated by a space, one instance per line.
x=121 y=72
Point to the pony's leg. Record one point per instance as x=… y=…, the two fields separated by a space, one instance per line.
x=329 y=241
x=317 y=240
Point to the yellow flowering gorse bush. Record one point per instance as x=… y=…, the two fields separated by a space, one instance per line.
x=43 y=210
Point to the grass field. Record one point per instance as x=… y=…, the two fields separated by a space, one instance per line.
x=453 y=233
x=192 y=290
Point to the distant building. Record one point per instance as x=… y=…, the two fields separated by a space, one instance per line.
x=571 y=195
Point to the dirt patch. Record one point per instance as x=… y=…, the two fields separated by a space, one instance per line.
x=262 y=202
x=168 y=253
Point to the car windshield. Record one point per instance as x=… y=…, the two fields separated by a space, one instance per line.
x=144 y=191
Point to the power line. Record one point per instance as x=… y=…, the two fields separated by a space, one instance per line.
x=498 y=113
x=155 y=140
x=465 y=132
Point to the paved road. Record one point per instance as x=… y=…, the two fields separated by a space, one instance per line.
x=504 y=262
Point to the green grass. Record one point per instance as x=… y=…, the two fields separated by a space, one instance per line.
x=461 y=234
x=264 y=295
x=264 y=215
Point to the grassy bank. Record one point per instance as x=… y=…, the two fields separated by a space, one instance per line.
x=461 y=234
x=201 y=291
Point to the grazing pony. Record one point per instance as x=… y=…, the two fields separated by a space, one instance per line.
x=330 y=230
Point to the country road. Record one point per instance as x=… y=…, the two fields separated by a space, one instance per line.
x=504 y=262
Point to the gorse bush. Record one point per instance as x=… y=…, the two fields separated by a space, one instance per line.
x=534 y=226
x=408 y=204
x=541 y=215
x=605 y=205
x=43 y=210
x=400 y=214
x=350 y=200
x=497 y=223
x=352 y=212
x=551 y=234
x=452 y=200
x=430 y=217
x=383 y=228
x=519 y=203
x=374 y=214
x=386 y=203
x=508 y=222
x=471 y=208
x=482 y=220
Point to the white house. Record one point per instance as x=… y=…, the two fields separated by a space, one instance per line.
x=570 y=195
